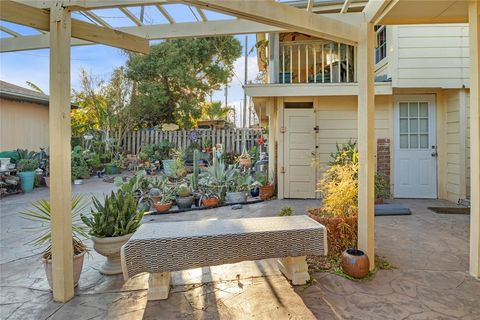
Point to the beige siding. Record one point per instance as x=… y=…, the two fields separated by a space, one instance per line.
x=467 y=146
x=337 y=120
x=23 y=125
x=431 y=56
x=455 y=146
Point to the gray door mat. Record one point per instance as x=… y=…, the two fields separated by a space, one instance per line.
x=451 y=210
x=391 y=209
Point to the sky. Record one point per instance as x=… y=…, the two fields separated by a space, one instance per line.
x=100 y=60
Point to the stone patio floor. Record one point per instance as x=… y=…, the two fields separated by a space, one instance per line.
x=429 y=251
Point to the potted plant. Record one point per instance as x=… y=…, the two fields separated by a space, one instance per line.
x=209 y=200
x=165 y=203
x=155 y=194
x=244 y=159
x=26 y=172
x=42 y=214
x=266 y=188
x=184 y=197
x=111 y=225
x=238 y=188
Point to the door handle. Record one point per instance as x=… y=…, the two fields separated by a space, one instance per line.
x=313 y=153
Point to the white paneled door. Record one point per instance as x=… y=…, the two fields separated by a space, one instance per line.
x=415 y=151
x=299 y=151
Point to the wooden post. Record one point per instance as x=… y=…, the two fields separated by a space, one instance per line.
x=474 y=34
x=60 y=134
x=366 y=141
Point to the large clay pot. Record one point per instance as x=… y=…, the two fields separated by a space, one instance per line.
x=109 y=247
x=355 y=263
x=236 y=197
x=162 y=207
x=185 y=202
x=266 y=192
x=77 y=268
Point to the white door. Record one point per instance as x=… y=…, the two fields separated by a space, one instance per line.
x=415 y=156
x=299 y=150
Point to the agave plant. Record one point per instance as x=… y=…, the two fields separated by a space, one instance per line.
x=117 y=216
x=42 y=214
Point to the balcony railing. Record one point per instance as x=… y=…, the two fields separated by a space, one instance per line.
x=316 y=62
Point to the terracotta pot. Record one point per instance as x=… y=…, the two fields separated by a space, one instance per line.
x=162 y=207
x=266 y=192
x=245 y=162
x=156 y=199
x=77 y=268
x=109 y=247
x=355 y=263
x=210 y=202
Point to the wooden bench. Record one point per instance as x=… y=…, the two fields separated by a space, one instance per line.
x=160 y=248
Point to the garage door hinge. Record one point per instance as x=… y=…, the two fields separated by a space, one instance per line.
x=282 y=170
x=283 y=129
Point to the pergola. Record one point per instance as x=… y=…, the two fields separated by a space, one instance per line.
x=347 y=21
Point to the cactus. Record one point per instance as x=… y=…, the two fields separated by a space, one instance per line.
x=196 y=157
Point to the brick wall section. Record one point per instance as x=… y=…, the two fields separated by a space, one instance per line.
x=383 y=157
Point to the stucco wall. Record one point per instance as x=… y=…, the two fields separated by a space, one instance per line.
x=23 y=125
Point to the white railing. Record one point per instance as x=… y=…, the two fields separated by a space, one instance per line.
x=316 y=61
x=232 y=140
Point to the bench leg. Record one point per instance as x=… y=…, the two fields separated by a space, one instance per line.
x=295 y=269
x=158 y=286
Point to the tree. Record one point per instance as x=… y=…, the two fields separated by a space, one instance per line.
x=214 y=111
x=173 y=80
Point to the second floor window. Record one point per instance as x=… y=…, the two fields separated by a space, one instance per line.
x=381 y=49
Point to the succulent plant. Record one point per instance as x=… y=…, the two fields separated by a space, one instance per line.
x=117 y=216
x=27 y=165
x=184 y=191
x=155 y=192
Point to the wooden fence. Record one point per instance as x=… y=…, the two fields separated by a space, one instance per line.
x=233 y=140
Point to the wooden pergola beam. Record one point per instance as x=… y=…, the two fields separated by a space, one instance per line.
x=92 y=15
x=283 y=16
x=40 y=19
x=345 y=6
x=152 y=32
x=10 y=31
x=474 y=35
x=131 y=16
x=165 y=14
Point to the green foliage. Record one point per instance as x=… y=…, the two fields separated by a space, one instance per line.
x=176 y=76
x=214 y=111
x=41 y=213
x=239 y=182
x=261 y=179
x=381 y=186
x=155 y=192
x=196 y=157
x=117 y=216
x=184 y=191
x=168 y=194
x=80 y=167
x=24 y=165
x=285 y=212
x=25 y=154
x=346 y=153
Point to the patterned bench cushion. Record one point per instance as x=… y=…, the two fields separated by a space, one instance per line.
x=174 y=246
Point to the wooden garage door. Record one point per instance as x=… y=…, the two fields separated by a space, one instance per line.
x=299 y=150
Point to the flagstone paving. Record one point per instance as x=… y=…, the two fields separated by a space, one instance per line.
x=430 y=281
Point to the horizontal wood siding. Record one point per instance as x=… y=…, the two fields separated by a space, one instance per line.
x=431 y=56
x=23 y=125
x=337 y=121
x=453 y=146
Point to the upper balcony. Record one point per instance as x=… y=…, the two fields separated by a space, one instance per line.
x=316 y=61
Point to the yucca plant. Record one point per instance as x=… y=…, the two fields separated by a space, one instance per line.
x=42 y=214
x=117 y=216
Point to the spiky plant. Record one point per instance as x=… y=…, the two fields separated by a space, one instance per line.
x=117 y=216
x=42 y=214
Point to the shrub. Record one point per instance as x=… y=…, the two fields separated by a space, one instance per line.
x=27 y=165
x=285 y=212
x=381 y=186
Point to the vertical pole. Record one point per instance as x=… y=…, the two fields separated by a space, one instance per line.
x=474 y=34
x=59 y=136
x=244 y=118
x=366 y=141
